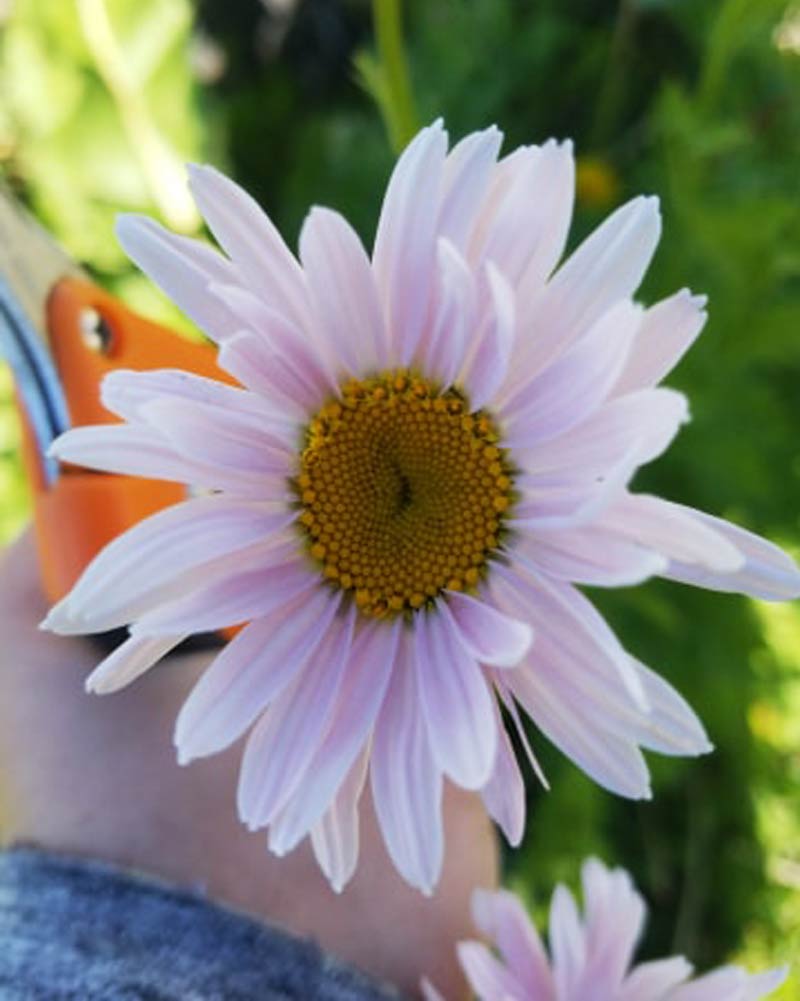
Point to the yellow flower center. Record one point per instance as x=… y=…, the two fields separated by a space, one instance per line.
x=403 y=492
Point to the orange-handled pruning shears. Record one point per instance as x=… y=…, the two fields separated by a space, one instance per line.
x=61 y=334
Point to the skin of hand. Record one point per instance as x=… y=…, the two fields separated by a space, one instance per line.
x=97 y=777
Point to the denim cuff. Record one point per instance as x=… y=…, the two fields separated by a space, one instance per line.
x=78 y=930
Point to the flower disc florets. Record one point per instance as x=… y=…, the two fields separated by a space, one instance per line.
x=403 y=490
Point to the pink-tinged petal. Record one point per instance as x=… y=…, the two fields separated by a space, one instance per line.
x=252 y=670
x=672 y=530
x=248 y=593
x=335 y=838
x=229 y=440
x=405 y=242
x=159 y=559
x=343 y=293
x=253 y=243
x=592 y=554
x=668 y=331
x=570 y=621
x=571 y=687
x=614 y=763
x=528 y=230
x=183 y=268
x=759 y=985
x=655 y=979
x=555 y=195
x=730 y=983
x=128 y=662
x=614 y=919
x=284 y=740
x=455 y=701
x=504 y=793
x=511 y=708
x=578 y=657
x=486 y=633
x=467 y=171
x=768 y=573
x=567 y=944
x=140 y=450
x=364 y=687
x=125 y=392
x=443 y=350
x=645 y=423
x=568 y=504
x=487 y=369
x=487 y=976
x=279 y=336
x=670 y=726
x=406 y=780
x=264 y=370
x=606 y=269
x=502 y=919
x=574 y=386
x=429 y=992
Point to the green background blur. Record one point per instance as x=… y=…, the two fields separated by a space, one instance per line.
x=101 y=101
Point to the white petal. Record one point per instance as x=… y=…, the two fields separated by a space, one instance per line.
x=486 y=633
x=343 y=293
x=252 y=242
x=279 y=336
x=211 y=435
x=335 y=838
x=125 y=392
x=769 y=573
x=266 y=371
x=606 y=269
x=128 y=662
x=592 y=554
x=670 y=726
x=527 y=233
x=467 y=171
x=487 y=369
x=455 y=701
x=406 y=781
x=645 y=422
x=553 y=503
x=251 y=671
x=730 y=983
x=160 y=558
x=555 y=194
x=671 y=530
x=443 y=349
x=182 y=268
x=504 y=793
x=567 y=945
x=405 y=242
x=283 y=742
x=487 y=976
x=655 y=979
x=668 y=331
x=568 y=391
x=248 y=593
x=614 y=918
x=501 y=918
x=372 y=663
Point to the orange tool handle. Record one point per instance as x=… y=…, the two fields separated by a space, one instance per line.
x=84 y=510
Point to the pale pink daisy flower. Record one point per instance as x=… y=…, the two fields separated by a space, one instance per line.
x=589 y=958
x=431 y=448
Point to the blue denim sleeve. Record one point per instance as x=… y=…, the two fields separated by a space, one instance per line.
x=77 y=930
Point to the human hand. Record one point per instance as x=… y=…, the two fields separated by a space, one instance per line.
x=99 y=779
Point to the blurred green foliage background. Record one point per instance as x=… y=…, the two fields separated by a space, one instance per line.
x=102 y=100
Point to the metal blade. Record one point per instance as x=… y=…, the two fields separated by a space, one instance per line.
x=30 y=265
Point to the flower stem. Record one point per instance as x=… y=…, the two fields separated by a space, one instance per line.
x=396 y=100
